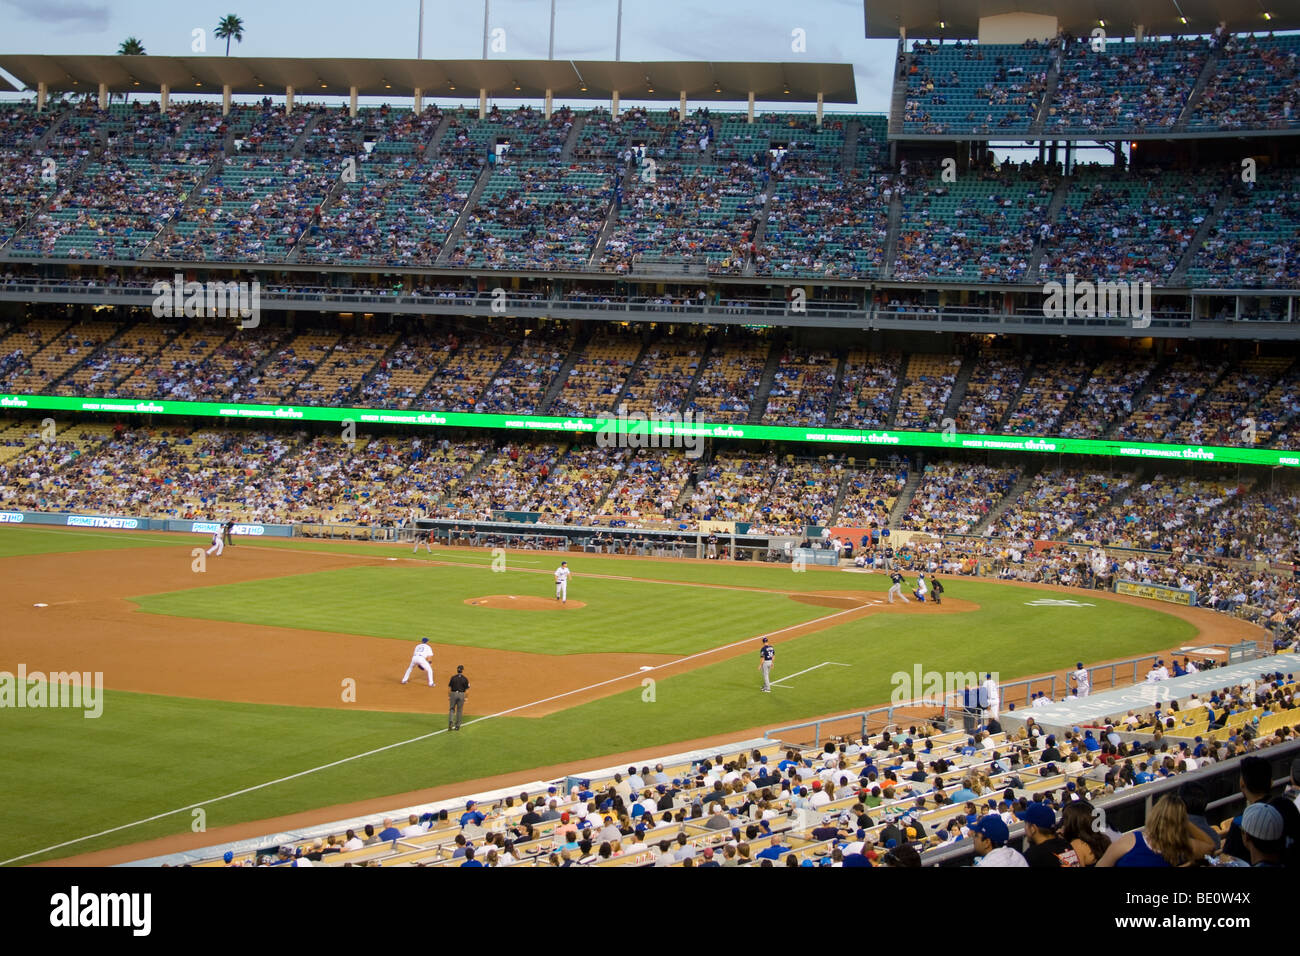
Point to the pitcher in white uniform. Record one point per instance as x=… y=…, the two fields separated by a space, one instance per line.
x=217 y=546
x=421 y=657
x=562 y=582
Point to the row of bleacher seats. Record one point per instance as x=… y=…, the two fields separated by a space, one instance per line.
x=893 y=797
x=503 y=367
x=1249 y=83
x=387 y=188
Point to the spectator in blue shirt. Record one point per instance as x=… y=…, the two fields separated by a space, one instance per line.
x=469 y=858
x=471 y=816
x=389 y=832
x=774 y=852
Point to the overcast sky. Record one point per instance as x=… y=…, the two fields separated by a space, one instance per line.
x=453 y=29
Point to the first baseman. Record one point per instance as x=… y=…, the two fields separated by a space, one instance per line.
x=562 y=582
x=766 y=654
x=421 y=657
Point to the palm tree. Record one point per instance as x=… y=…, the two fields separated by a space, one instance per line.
x=131 y=46
x=230 y=27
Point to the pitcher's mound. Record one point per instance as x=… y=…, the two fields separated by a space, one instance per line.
x=523 y=602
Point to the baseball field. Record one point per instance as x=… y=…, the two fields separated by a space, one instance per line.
x=265 y=682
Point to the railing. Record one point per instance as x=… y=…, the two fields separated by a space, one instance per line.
x=355 y=532
x=1016 y=692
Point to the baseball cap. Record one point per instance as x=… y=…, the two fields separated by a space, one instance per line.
x=1263 y=822
x=708 y=852
x=228 y=856
x=424 y=640
x=993 y=828
x=1041 y=816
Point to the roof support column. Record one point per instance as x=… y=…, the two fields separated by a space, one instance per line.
x=482 y=103
x=352 y=103
x=1139 y=32
x=820 y=104
x=164 y=98
x=42 y=91
x=681 y=106
x=225 y=100
x=103 y=96
x=749 y=112
x=547 y=107
x=288 y=100
x=613 y=104
x=418 y=106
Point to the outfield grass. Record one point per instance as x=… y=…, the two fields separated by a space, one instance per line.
x=409 y=603
x=66 y=776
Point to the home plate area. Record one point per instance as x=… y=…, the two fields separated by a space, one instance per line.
x=524 y=602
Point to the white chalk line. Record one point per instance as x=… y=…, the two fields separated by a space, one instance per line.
x=807 y=669
x=401 y=743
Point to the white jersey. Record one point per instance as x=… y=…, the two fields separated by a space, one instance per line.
x=1081 y=677
x=422 y=652
x=561 y=575
x=991 y=692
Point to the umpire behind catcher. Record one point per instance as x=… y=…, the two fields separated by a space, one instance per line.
x=456 y=688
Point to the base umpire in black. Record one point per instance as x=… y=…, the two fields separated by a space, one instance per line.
x=456 y=688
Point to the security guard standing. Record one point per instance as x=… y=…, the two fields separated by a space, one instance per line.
x=456 y=688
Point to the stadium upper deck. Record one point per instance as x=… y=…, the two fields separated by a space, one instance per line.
x=792 y=196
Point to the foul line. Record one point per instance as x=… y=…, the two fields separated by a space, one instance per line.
x=436 y=733
x=807 y=669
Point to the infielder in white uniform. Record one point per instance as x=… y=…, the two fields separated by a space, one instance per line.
x=562 y=582
x=421 y=657
x=217 y=545
x=1082 y=682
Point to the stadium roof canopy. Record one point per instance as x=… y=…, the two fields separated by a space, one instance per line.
x=526 y=79
x=961 y=18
